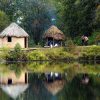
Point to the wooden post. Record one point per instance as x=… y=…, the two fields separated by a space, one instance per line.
x=26 y=78
x=61 y=43
x=47 y=42
x=53 y=41
x=27 y=42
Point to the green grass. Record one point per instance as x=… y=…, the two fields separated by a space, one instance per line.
x=61 y=53
x=50 y=54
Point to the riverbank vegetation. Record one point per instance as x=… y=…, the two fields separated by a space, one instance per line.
x=91 y=53
x=71 y=69
x=69 y=53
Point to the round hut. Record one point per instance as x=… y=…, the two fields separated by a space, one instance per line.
x=12 y=35
x=53 y=36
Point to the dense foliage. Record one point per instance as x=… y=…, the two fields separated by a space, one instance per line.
x=73 y=17
x=92 y=53
x=40 y=54
x=4 y=21
x=82 y=53
x=15 y=54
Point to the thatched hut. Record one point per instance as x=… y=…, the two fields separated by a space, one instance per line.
x=12 y=35
x=53 y=36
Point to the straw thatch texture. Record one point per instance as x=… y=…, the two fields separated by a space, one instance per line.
x=55 y=33
x=13 y=30
x=55 y=87
x=14 y=90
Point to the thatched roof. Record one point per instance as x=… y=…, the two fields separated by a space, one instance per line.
x=55 y=33
x=14 y=90
x=55 y=87
x=13 y=30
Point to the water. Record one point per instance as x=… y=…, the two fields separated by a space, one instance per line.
x=49 y=81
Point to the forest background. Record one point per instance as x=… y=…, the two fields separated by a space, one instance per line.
x=73 y=17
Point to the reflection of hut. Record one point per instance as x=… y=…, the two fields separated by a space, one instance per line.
x=54 y=36
x=11 y=78
x=14 y=90
x=12 y=35
x=12 y=85
x=55 y=86
x=51 y=76
x=98 y=40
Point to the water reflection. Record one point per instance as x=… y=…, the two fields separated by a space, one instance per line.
x=49 y=81
x=76 y=90
x=13 y=85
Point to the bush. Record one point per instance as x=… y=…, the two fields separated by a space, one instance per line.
x=36 y=55
x=17 y=54
x=58 y=54
x=91 y=52
x=70 y=46
x=4 y=54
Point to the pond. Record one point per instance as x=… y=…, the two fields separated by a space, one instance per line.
x=49 y=81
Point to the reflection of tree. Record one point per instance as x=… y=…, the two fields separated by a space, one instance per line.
x=16 y=67
x=76 y=68
x=74 y=90
x=3 y=96
x=47 y=66
x=36 y=90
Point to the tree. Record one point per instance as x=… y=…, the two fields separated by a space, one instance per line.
x=97 y=18
x=4 y=20
x=79 y=16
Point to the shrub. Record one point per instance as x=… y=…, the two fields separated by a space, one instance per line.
x=91 y=52
x=59 y=54
x=16 y=53
x=36 y=55
x=4 y=54
x=70 y=46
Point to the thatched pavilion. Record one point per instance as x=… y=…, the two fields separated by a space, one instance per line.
x=53 y=36
x=12 y=35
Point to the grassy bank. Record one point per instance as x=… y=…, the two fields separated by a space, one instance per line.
x=62 y=53
x=90 y=53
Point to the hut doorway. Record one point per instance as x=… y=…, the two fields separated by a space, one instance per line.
x=9 y=81
x=25 y=42
x=50 y=41
x=26 y=78
x=53 y=42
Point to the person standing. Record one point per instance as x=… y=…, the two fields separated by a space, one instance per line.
x=86 y=40
x=82 y=38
